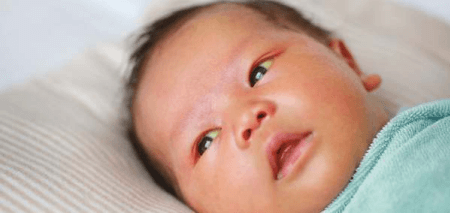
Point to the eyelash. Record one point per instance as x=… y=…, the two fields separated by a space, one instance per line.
x=213 y=133
x=265 y=64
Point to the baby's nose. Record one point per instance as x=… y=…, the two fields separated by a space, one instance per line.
x=252 y=116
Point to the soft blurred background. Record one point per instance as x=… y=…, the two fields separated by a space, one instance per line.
x=37 y=36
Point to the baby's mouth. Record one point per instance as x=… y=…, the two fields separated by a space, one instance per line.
x=283 y=151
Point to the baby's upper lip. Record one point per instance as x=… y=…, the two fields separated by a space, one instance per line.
x=278 y=141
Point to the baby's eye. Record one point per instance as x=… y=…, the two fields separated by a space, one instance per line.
x=206 y=141
x=259 y=71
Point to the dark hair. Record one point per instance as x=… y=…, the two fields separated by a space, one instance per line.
x=153 y=34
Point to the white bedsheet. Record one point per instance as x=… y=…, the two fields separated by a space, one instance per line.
x=39 y=36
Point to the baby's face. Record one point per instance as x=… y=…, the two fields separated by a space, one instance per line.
x=248 y=117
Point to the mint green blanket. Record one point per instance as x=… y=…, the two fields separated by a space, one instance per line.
x=407 y=167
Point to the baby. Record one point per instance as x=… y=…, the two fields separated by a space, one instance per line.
x=249 y=107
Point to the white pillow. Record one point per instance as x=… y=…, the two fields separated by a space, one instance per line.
x=63 y=147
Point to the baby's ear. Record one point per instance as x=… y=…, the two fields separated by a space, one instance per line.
x=339 y=47
x=372 y=81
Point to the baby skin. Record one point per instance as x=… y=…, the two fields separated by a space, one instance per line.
x=247 y=116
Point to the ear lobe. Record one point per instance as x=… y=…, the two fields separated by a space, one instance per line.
x=370 y=82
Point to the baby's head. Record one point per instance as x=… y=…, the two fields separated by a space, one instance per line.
x=247 y=107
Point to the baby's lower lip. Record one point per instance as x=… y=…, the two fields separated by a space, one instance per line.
x=287 y=161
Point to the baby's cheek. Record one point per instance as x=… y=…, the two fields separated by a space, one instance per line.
x=199 y=194
x=229 y=184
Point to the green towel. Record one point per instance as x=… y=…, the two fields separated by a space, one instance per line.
x=407 y=167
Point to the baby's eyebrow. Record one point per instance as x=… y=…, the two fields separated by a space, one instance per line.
x=194 y=111
x=193 y=117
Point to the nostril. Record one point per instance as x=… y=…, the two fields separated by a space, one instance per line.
x=261 y=115
x=253 y=125
x=246 y=134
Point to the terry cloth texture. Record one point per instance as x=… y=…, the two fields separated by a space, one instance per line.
x=407 y=167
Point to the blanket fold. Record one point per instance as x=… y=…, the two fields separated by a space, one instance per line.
x=407 y=167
